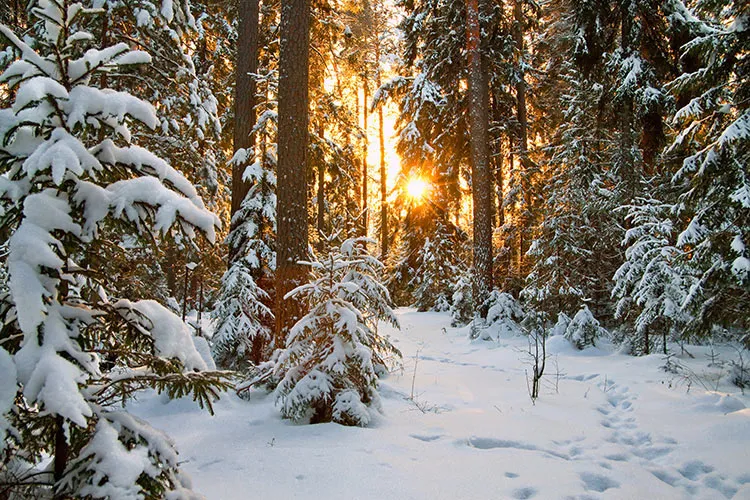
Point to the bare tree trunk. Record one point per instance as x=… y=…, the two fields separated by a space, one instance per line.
x=383 y=174
x=497 y=167
x=523 y=134
x=244 y=99
x=321 y=200
x=626 y=112
x=293 y=140
x=365 y=169
x=481 y=179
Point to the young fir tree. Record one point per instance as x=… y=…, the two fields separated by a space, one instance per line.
x=504 y=313
x=584 y=329
x=327 y=370
x=436 y=269
x=75 y=351
x=462 y=301
x=244 y=321
x=652 y=283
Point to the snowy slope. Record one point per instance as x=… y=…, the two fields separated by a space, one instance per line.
x=605 y=426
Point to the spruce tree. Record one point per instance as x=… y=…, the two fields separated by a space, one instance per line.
x=713 y=210
x=71 y=173
x=328 y=368
x=653 y=282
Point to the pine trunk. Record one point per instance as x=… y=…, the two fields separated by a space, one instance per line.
x=365 y=214
x=293 y=139
x=321 y=200
x=244 y=99
x=383 y=174
x=481 y=179
x=523 y=136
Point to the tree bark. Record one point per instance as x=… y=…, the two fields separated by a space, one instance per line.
x=383 y=174
x=523 y=135
x=244 y=99
x=62 y=451
x=365 y=169
x=481 y=178
x=321 y=200
x=293 y=140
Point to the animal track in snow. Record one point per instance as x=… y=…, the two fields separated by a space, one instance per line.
x=524 y=493
x=426 y=438
x=597 y=482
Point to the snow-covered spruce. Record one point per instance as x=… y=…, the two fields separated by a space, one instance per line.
x=327 y=369
x=713 y=210
x=462 y=304
x=653 y=282
x=504 y=313
x=584 y=329
x=70 y=172
x=244 y=322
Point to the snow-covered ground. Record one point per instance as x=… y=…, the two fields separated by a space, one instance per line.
x=606 y=426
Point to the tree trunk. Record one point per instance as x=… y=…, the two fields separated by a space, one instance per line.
x=365 y=214
x=293 y=140
x=321 y=196
x=244 y=100
x=497 y=167
x=481 y=179
x=627 y=167
x=523 y=135
x=62 y=450
x=383 y=174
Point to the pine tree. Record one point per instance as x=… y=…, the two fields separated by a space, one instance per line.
x=71 y=174
x=571 y=253
x=328 y=369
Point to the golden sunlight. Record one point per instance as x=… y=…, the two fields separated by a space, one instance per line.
x=416 y=188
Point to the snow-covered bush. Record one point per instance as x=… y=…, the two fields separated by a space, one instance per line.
x=71 y=353
x=584 y=329
x=327 y=370
x=563 y=320
x=505 y=313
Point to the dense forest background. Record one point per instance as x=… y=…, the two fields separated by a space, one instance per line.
x=548 y=159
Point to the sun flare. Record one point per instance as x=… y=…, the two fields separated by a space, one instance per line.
x=416 y=188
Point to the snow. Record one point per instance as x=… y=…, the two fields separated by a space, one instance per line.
x=172 y=337
x=116 y=468
x=606 y=425
x=31 y=250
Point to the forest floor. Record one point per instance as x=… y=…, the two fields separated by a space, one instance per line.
x=605 y=426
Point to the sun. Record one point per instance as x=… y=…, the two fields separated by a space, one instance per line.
x=416 y=188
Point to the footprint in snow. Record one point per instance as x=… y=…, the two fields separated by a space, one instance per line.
x=597 y=482
x=524 y=493
x=694 y=469
x=426 y=438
